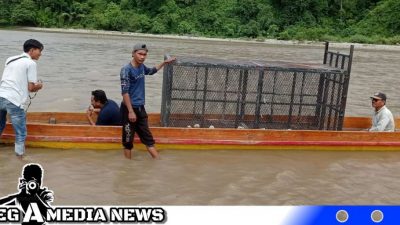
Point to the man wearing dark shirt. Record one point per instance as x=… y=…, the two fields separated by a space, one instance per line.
x=134 y=115
x=107 y=110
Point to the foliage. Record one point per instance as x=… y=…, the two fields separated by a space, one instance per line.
x=363 y=21
x=24 y=13
x=5 y=12
x=382 y=20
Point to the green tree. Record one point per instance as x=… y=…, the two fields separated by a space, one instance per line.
x=169 y=16
x=136 y=22
x=382 y=20
x=5 y=12
x=185 y=27
x=350 y=20
x=114 y=17
x=150 y=7
x=306 y=12
x=24 y=13
x=45 y=18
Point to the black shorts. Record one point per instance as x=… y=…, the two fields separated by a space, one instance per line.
x=140 y=126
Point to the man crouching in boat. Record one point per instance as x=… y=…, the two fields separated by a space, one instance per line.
x=19 y=78
x=108 y=113
x=382 y=119
x=134 y=116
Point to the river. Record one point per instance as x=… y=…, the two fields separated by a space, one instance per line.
x=74 y=64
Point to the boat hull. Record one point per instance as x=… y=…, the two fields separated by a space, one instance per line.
x=72 y=132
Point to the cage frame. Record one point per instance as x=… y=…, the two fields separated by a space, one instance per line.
x=333 y=63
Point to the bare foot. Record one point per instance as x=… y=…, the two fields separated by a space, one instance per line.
x=128 y=154
x=153 y=152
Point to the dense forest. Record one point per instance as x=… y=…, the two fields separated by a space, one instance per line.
x=363 y=21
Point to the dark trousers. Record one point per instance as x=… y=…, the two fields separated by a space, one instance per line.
x=140 y=126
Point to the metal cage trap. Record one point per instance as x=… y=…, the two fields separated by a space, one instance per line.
x=257 y=94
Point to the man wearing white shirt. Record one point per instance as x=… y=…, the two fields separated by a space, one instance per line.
x=19 y=78
x=382 y=120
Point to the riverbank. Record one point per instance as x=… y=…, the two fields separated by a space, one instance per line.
x=183 y=37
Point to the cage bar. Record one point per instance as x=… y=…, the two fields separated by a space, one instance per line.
x=257 y=94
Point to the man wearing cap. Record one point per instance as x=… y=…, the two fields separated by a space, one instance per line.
x=134 y=116
x=19 y=78
x=382 y=120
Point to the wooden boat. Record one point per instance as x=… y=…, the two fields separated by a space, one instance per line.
x=71 y=130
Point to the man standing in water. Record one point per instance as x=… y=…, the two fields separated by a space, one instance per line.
x=134 y=116
x=382 y=119
x=19 y=78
